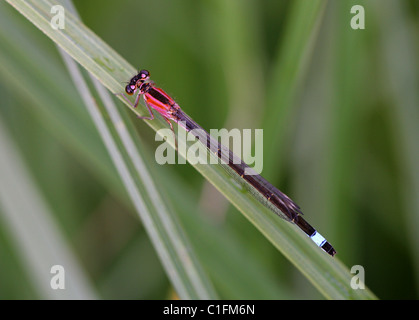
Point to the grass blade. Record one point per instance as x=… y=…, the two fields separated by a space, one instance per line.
x=288 y=71
x=171 y=244
x=328 y=275
x=38 y=239
x=59 y=112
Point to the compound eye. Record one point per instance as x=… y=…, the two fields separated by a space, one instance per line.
x=144 y=74
x=129 y=89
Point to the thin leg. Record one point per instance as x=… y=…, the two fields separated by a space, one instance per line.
x=137 y=100
x=174 y=134
x=151 y=117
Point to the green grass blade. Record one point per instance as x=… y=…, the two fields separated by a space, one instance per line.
x=327 y=274
x=38 y=239
x=59 y=111
x=171 y=244
x=403 y=84
x=286 y=75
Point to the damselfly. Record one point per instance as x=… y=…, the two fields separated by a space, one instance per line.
x=278 y=202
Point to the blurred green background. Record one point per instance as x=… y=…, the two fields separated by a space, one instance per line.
x=340 y=113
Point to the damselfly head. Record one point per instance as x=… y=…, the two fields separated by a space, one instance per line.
x=136 y=81
x=130 y=89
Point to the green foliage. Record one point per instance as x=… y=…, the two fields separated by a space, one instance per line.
x=294 y=68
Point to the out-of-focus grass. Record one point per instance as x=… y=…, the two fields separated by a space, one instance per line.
x=344 y=158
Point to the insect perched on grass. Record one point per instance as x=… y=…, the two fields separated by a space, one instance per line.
x=155 y=98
